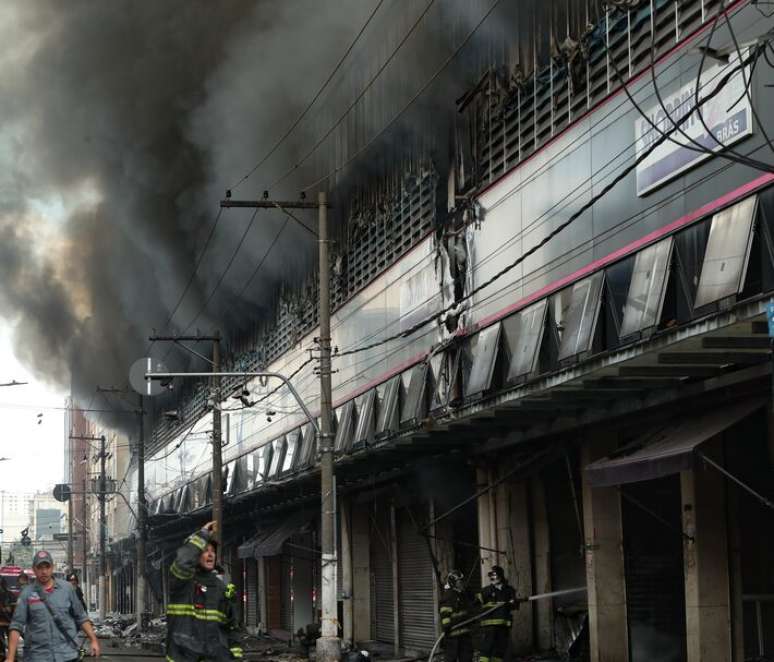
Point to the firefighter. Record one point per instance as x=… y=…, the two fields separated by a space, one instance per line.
x=201 y=622
x=456 y=606
x=497 y=601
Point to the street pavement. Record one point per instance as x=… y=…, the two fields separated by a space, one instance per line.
x=128 y=658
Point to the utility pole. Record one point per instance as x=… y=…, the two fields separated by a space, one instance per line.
x=102 y=530
x=84 y=535
x=140 y=566
x=329 y=644
x=70 y=559
x=102 y=496
x=217 y=456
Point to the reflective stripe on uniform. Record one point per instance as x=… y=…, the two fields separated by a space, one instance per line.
x=197 y=541
x=230 y=591
x=199 y=614
x=178 y=572
x=236 y=652
x=495 y=621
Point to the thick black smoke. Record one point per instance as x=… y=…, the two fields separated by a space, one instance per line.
x=124 y=122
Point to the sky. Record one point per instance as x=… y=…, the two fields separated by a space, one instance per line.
x=35 y=451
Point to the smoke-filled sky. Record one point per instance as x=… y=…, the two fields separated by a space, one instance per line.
x=122 y=123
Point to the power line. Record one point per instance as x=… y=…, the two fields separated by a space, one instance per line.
x=306 y=110
x=411 y=101
x=354 y=103
x=562 y=226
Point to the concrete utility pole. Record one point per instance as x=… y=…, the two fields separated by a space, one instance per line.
x=140 y=566
x=217 y=455
x=102 y=496
x=70 y=554
x=329 y=644
x=102 y=530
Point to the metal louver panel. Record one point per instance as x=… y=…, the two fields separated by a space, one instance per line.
x=727 y=252
x=250 y=467
x=581 y=317
x=481 y=357
x=523 y=333
x=277 y=457
x=414 y=405
x=364 y=433
x=196 y=493
x=417 y=606
x=389 y=412
x=292 y=448
x=308 y=447
x=344 y=428
x=251 y=592
x=381 y=569
x=183 y=504
x=647 y=288
x=230 y=481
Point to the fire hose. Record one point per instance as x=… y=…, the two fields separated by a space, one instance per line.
x=478 y=617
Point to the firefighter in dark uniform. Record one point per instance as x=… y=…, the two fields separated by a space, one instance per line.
x=201 y=622
x=499 y=599
x=457 y=605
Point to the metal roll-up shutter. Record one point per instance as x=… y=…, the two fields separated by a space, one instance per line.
x=251 y=592
x=653 y=556
x=286 y=593
x=381 y=570
x=416 y=603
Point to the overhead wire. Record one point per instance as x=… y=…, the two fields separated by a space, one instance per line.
x=317 y=95
x=562 y=226
x=357 y=99
x=410 y=102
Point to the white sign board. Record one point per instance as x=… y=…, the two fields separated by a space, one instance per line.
x=728 y=115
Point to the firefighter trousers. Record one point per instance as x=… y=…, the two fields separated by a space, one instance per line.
x=494 y=643
x=458 y=649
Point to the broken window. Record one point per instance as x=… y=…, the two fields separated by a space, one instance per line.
x=580 y=320
x=727 y=252
x=523 y=334
x=647 y=288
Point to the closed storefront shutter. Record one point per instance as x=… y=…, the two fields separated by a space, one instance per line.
x=286 y=593
x=251 y=592
x=417 y=608
x=381 y=569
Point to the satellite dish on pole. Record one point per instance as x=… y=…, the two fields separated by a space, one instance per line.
x=138 y=380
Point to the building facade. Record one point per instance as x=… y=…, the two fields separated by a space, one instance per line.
x=553 y=358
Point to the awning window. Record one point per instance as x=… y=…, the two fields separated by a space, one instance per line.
x=277 y=456
x=647 y=288
x=668 y=450
x=727 y=253
x=344 y=429
x=270 y=541
x=292 y=446
x=308 y=447
x=523 y=334
x=481 y=357
x=414 y=404
x=364 y=433
x=388 y=421
x=579 y=321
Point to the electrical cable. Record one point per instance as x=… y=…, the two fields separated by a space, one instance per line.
x=562 y=226
x=309 y=106
x=354 y=103
x=411 y=101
